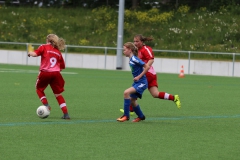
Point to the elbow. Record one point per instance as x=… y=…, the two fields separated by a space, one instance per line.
x=148 y=67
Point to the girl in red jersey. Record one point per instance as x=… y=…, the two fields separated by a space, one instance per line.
x=145 y=53
x=52 y=63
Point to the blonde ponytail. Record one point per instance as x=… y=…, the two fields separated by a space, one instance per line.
x=56 y=42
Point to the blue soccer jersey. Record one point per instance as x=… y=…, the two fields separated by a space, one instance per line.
x=136 y=66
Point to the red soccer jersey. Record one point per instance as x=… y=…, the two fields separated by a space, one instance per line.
x=145 y=54
x=51 y=58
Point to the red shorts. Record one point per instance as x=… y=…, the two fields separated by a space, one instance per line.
x=54 y=79
x=152 y=80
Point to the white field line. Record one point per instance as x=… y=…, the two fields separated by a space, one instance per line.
x=9 y=70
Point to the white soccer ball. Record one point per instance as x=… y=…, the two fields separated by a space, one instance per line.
x=43 y=112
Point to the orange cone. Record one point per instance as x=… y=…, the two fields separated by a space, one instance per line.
x=181 y=75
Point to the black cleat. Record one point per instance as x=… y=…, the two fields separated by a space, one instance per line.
x=66 y=116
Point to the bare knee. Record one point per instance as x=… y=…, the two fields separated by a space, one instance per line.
x=154 y=95
x=56 y=95
x=154 y=92
x=126 y=94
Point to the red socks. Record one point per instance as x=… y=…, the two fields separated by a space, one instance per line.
x=131 y=108
x=42 y=97
x=164 y=95
x=60 y=100
x=62 y=104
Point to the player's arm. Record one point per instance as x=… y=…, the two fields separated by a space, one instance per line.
x=62 y=63
x=148 y=54
x=150 y=62
x=33 y=54
x=146 y=68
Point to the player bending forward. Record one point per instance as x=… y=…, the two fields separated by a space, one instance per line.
x=51 y=64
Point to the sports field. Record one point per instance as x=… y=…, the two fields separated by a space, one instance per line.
x=207 y=127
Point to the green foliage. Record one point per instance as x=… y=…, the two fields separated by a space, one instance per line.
x=216 y=4
x=180 y=29
x=150 y=17
x=183 y=9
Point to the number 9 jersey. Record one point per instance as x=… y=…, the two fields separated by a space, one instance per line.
x=51 y=58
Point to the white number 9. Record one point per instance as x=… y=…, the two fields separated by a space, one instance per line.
x=53 y=61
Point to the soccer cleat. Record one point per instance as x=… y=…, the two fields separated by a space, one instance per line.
x=131 y=113
x=49 y=108
x=66 y=116
x=123 y=118
x=138 y=119
x=177 y=101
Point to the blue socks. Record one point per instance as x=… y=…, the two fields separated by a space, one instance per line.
x=126 y=107
x=138 y=111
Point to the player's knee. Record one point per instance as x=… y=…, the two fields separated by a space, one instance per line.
x=154 y=94
x=126 y=94
x=56 y=95
x=39 y=91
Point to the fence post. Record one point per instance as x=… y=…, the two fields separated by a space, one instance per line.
x=189 y=59
x=119 y=56
x=27 y=53
x=105 y=58
x=66 y=55
x=233 y=64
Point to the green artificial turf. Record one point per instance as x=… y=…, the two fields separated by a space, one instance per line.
x=206 y=127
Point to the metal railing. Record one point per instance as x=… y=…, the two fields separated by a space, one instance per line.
x=200 y=52
x=114 y=48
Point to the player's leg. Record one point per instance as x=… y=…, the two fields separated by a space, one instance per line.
x=57 y=85
x=62 y=105
x=41 y=84
x=130 y=109
x=153 y=89
x=163 y=95
x=140 y=87
x=127 y=102
x=137 y=110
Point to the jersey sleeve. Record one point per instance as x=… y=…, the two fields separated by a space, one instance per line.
x=139 y=61
x=148 y=53
x=40 y=50
x=62 y=63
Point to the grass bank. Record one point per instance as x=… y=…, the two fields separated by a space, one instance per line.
x=201 y=30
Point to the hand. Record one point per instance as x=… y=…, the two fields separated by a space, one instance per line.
x=136 y=78
x=32 y=54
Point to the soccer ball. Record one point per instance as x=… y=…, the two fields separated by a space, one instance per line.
x=43 y=112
